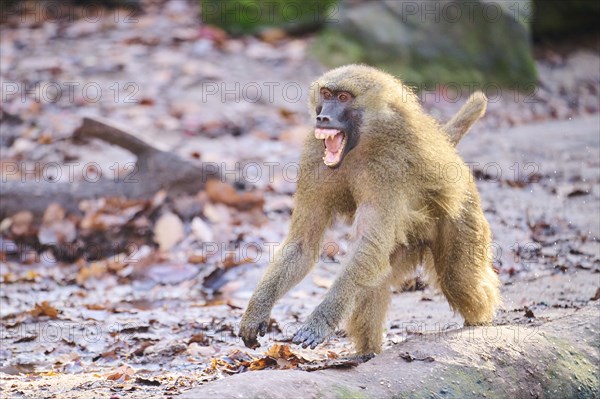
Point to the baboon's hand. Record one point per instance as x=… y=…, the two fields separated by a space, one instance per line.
x=252 y=326
x=312 y=333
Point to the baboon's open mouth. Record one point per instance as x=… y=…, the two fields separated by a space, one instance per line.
x=334 y=141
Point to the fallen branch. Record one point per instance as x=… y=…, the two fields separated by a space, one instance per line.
x=156 y=170
x=104 y=130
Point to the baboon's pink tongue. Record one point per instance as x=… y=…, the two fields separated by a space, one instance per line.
x=333 y=143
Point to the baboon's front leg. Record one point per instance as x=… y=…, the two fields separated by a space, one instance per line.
x=290 y=265
x=367 y=267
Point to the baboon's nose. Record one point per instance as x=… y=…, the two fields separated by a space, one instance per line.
x=323 y=118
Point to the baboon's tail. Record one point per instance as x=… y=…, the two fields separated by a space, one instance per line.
x=460 y=124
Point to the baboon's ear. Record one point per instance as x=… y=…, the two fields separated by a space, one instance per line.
x=459 y=125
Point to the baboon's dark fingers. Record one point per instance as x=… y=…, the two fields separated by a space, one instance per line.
x=249 y=335
x=262 y=328
x=308 y=337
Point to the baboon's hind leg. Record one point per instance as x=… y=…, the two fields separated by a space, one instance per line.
x=365 y=325
x=463 y=268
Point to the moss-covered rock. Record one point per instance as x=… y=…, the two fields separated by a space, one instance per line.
x=546 y=359
x=435 y=42
x=252 y=16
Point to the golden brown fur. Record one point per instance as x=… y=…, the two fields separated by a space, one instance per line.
x=460 y=124
x=412 y=199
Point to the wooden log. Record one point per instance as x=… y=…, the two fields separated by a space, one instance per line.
x=156 y=170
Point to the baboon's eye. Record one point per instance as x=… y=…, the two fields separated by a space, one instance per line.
x=326 y=94
x=343 y=97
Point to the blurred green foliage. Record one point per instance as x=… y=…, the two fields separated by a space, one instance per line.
x=554 y=18
x=101 y=3
x=240 y=17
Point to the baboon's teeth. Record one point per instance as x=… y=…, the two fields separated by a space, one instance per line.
x=323 y=134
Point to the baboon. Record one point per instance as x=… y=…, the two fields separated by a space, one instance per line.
x=376 y=157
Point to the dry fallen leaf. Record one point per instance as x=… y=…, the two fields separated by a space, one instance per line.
x=93 y=306
x=49 y=373
x=45 y=138
x=122 y=373
x=280 y=356
x=26 y=338
x=224 y=193
x=168 y=231
x=322 y=282
x=231 y=260
x=158 y=199
x=285 y=357
x=422 y=358
x=5 y=224
x=233 y=362
x=117 y=262
x=262 y=363
x=103 y=213
x=218 y=213
x=94 y=270
x=44 y=309
x=8 y=278
x=30 y=275
x=196 y=258
x=55 y=229
x=200 y=338
x=329 y=364
x=273 y=35
x=53 y=213
x=201 y=230
x=21 y=223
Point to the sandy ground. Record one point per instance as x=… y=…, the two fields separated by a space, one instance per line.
x=557 y=271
